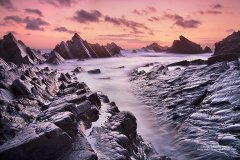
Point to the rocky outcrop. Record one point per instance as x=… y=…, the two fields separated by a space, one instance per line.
x=199 y=104
x=113 y=48
x=229 y=45
x=155 y=47
x=37 y=141
x=55 y=58
x=226 y=50
x=79 y=48
x=17 y=52
x=45 y=114
x=207 y=50
x=183 y=45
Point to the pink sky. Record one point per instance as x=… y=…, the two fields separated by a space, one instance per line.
x=131 y=24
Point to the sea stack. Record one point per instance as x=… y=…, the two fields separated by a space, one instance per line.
x=183 y=45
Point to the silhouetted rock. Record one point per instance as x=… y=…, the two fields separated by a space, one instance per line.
x=79 y=48
x=207 y=50
x=185 y=46
x=17 y=52
x=155 y=47
x=55 y=58
x=229 y=45
x=113 y=48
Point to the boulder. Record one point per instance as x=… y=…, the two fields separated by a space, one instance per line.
x=66 y=121
x=229 y=45
x=207 y=50
x=78 y=70
x=155 y=47
x=185 y=46
x=36 y=142
x=55 y=58
x=21 y=87
x=94 y=71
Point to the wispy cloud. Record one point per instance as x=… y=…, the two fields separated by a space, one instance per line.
x=34 y=11
x=136 y=27
x=181 y=21
x=145 y=11
x=30 y=22
x=64 y=29
x=60 y=3
x=216 y=6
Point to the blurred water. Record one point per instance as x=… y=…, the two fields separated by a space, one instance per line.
x=118 y=89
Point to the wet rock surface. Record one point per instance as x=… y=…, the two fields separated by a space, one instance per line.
x=44 y=115
x=199 y=103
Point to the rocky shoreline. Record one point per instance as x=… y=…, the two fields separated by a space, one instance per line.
x=198 y=102
x=44 y=115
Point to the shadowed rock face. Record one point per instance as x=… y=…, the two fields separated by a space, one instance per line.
x=44 y=115
x=79 y=48
x=17 y=52
x=185 y=46
x=207 y=50
x=113 y=48
x=199 y=103
x=55 y=58
x=155 y=47
x=229 y=45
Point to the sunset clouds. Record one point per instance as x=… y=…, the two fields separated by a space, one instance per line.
x=120 y=21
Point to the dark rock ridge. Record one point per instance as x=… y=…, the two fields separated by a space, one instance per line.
x=79 y=48
x=55 y=58
x=207 y=50
x=226 y=50
x=17 y=52
x=44 y=115
x=198 y=103
x=229 y=45
x=155 y=47
x=183 y=45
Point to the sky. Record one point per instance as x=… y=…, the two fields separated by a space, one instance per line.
x=129 y=23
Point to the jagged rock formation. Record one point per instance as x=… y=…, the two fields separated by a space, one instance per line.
x=17 y=52
x=226 y=50
x=183 y=45
x=229 y=45
x=155 y=47
x=113 y=48
x=79 y=48
x=44 y=115
x=207 y=50
x=55 y=58
x=199 y=104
